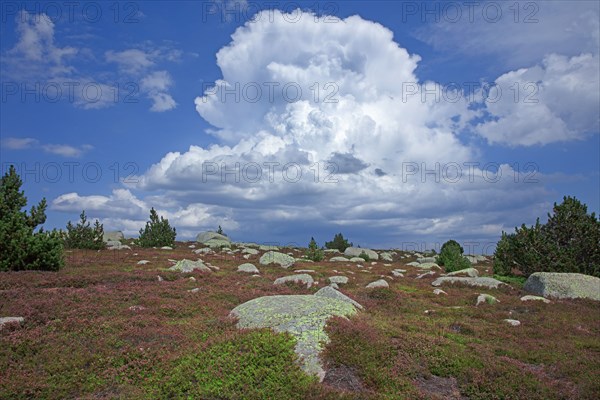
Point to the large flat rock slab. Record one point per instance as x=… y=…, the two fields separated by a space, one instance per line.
x=490 y=283
x=302 y=316
x=563 y=285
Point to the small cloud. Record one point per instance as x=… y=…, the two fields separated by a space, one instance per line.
x=162 y=102
x=12 y=143
x=131 y=61
x=66 y=150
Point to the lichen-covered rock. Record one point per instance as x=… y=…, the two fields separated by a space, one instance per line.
x=204 y=250
x=386 y=256
x=438 y=292
x=166 y=248
x=535 y=298
x=247 y=267
x=218 y=243
x=413 y=264
x=490 y=283
x=332 y=293
x=381 y=283
x=10 y=320
x=424 y=260
x=563 y=285
x=357 y=259
x=186 y=265
x=486 y=298
x=357 y=251
x=252 y=252
x=338 y=279
x=204 y=237
x=275 y=257
x=302 y=316
x=143 y=262
x=342 y=259
x=423 y=275
x=302 y=278
x=428 y=265
x=268 y=248
x=398 y=273
x=472 y=272
x=512 y=322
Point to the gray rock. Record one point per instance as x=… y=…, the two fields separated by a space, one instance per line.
x=472 y=272
x=535 y=298
x=247 y=267
x=332 y=293
x=340 y=259
x=472 y=259
x=305 y=271
x=112 y=236
x=357 y=259
x=334 y=285
x=120 y=247
x=486 y=298
x=264 y=247
x=512 y=322
x=113 y=243
x=397 y=273
x=218 y=244
x=385 y=256
x=194 y=290
x=413 y=264
x=357 y=251
x=338 y=279
x=204 y=237
x=424 y=260
x=301 y=278
x=159 y=278
x=381 y=283
x=331 y=251
x=563 y=285
x=10 y=320
x=166 y=248
x=274 y=257
x=189 y=266
x=423 y=275
x=428 y=265
x=438 y=292
x=303 y=316
x=204 y=250
x=252 y=252
x=143 y=262
x=478 y=281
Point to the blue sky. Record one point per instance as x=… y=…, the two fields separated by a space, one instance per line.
x=400 y=124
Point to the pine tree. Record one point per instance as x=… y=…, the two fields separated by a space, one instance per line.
x=83 y=236
x=20 y=247
x=338 y=243
x=157 y=233
x=313 y=252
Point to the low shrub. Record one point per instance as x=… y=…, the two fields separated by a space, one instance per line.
x=364 y=256
x=451 y=257
x=83 y=236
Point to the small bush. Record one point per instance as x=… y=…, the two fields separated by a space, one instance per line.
x=568 y=242
x=20 y=247
x=338 y=243
x=220 y=231
x=451 y=257
x=364 y=256
x=83 y=236
x=313 y=252
x=157 y=233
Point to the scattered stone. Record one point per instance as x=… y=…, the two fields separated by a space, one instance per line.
x=472 y=259
x=385 y=256
x=387 y=265
x=113 y=243
x=397 y=273
x=438 y=292
x=357 y=251
x=143 y=262
x=274 y=257
x=374 y=263
x=429 y=273
x=303 y=316
x=166 y=248
x=205 y=250
x=343 y=259
x=429 y=312
x=268 y=248
x=338 y=279
x=334 y=285
x=247 y=256
x=472 y=272
x=413 y=264
x=137 y=308
x=563 y=285
x=252 y=252
x=332 y=293
x=192 y=246
x=171 y=260
x=357 y=259
x=428 y=265
x=490 y=283
x=186 y=265
x=119 y=247
x=513 y=322
x=381 y=283
x=298 y=278
x=305 y=271
x=112 y=236
x=249 y=268
x=423 y=260
x=204 y=237
x=159 y=278
x=224 y=245
x=192 y=279
x=10 y=320
x=194 y=290
x=486 y=298
x=535 y=298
